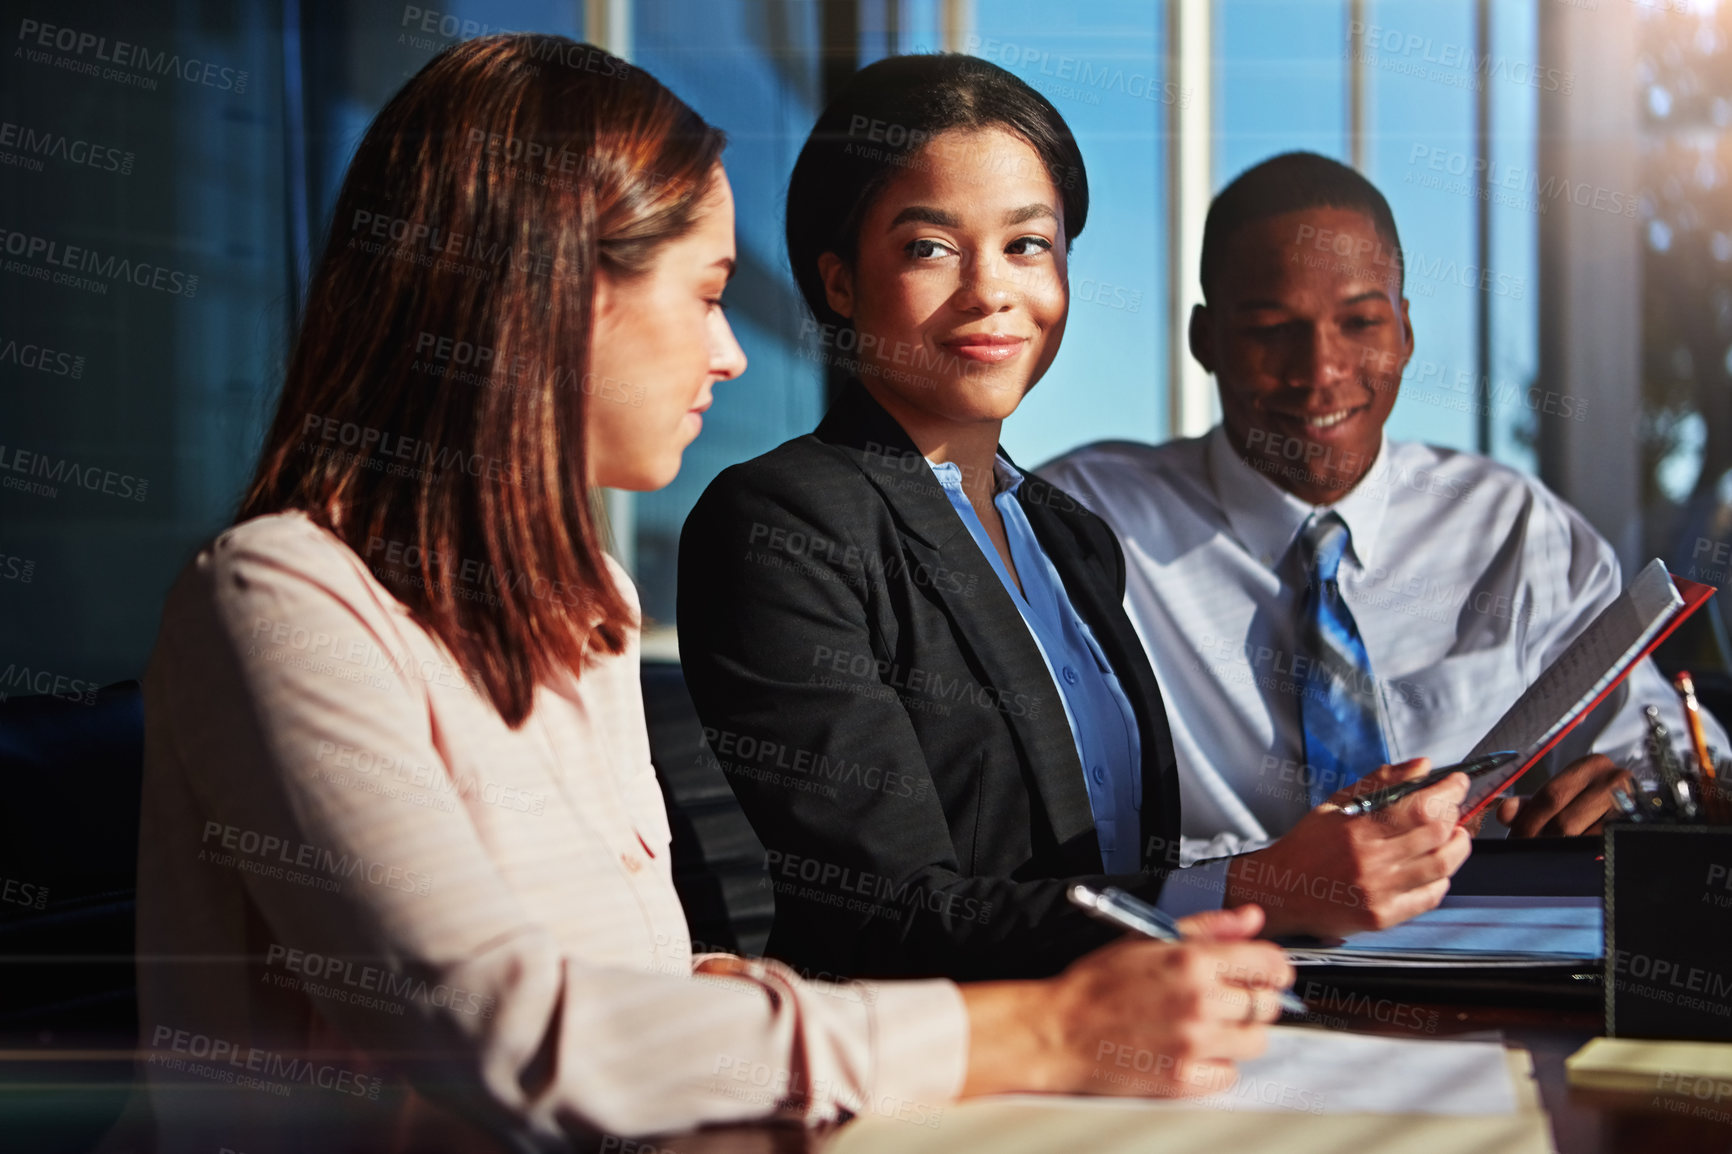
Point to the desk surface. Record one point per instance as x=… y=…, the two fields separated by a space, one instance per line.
x=1583 y=1122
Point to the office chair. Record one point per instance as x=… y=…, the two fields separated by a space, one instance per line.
x=718 y=860
x=69 y=796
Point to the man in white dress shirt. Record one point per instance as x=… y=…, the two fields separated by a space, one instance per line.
x=1463 y=578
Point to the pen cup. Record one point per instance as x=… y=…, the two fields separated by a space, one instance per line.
x=1668 y=965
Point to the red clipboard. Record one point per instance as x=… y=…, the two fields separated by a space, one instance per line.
x=1695 y=595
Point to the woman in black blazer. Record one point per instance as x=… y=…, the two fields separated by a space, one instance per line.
x=864 y=675
x=911 y=659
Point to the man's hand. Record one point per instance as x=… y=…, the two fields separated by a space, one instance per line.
x=1576 y=801
x=1334 y=875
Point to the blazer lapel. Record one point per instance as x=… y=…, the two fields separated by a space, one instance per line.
x=1004 y=652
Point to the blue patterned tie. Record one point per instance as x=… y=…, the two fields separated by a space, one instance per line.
x=1338 y=708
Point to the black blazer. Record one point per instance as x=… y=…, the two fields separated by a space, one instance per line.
x=887 y=720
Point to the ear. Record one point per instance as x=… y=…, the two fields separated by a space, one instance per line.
x=605 y=301
x=838 y=283
x=1201 y=334
x=1407 y=336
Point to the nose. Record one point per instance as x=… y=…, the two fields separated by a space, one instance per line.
x=1321 y=357
x=727 y=358
x=983 y=285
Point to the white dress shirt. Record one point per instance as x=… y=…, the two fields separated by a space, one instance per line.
x=1465 y=577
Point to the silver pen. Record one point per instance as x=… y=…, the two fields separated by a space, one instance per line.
x=1129 y=912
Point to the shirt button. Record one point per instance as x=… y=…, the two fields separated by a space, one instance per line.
x=1100 y=775
x=1070 y=675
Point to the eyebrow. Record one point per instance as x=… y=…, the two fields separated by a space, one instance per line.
x=925 y=214
x=1030 y=212
x=726 y=264
x=922 y=214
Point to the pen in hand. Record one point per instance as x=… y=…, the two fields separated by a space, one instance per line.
x=1132 y=913
x=1383 y=798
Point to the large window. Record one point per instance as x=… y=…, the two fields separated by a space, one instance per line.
x=1103 y=68
x=1436 y=103
x=752 y=70
x=1449 y=115
x=1686 y=199
x=1417 y=94
x=1445 y=106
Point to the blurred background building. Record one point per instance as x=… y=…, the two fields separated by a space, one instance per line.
x=1558 y=169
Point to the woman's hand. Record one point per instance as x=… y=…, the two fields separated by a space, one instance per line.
x=1136 y=1017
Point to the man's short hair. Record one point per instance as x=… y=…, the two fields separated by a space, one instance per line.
x=1292 y=182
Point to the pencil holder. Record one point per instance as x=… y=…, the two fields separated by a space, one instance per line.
x=1668 y=966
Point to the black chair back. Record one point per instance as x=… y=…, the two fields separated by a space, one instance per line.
x=70 y=771
x=718 y=860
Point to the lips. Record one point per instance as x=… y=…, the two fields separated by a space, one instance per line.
x=1328 y=420
x=697 y=411
x=1323 y=422
x=991 y=348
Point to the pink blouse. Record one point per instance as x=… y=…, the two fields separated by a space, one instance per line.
x=372 y=916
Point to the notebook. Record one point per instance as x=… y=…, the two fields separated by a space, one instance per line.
x=1476 y=931
x=1625 y=632
x=1693 y=1069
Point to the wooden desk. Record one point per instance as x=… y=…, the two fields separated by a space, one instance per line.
x=1597 y=1121
x=1583 y=1122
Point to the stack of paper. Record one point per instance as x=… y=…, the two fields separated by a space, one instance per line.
x=1332 y=1091
x=1312 y=1071
x=1477 y=931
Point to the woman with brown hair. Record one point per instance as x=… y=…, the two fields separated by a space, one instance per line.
x=404 y=875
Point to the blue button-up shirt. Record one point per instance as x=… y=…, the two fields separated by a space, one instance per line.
x=1100 y=716
x=1108 y=743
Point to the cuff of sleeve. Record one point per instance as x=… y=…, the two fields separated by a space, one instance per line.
x=920 y=1044
x=1196 y=849
x=1194 y=889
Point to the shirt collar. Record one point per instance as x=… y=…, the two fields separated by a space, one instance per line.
x=1266 y=518
x=1006 y=477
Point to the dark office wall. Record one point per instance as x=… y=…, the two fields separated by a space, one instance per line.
x=143 y=311
x=168 y=166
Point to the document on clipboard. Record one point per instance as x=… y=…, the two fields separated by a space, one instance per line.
x=1625 y=632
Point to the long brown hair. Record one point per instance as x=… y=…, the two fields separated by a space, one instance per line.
x=434 y=406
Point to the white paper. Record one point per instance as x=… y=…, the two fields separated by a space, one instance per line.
x=1312 y=1071
x=1596 y=659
